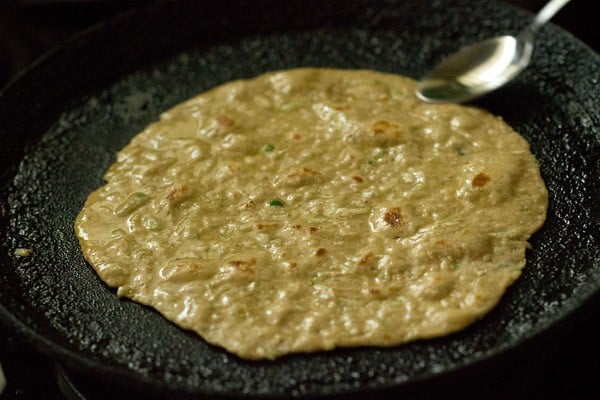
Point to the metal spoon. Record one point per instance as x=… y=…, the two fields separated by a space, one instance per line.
x=484 y=66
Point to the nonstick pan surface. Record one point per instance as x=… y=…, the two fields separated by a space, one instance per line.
x=62 y=122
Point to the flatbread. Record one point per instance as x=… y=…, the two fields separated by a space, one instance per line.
x=309 y=209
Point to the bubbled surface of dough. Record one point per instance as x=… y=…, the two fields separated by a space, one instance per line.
x=309 y=209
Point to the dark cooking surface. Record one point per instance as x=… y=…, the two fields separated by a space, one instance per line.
x=540 y=355
x=30 y=27
x=565 y=367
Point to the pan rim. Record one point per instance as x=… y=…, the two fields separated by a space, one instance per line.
x=145 y=384
x=52 y=348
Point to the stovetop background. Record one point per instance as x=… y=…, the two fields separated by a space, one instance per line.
x=566 y=364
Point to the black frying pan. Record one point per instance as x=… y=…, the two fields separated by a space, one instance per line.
x=63 y=121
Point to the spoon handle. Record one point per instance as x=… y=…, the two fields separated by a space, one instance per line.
x=547 y=12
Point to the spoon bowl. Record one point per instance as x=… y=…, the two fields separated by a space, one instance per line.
x=484 y=66
x=475 y=70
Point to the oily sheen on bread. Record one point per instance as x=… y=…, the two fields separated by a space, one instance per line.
x=308 y=209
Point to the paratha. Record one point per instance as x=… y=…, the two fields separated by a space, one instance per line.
x=309 y=209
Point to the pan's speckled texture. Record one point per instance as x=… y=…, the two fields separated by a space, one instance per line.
x=61 y=124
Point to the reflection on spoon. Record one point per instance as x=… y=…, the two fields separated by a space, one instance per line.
x=484 y=66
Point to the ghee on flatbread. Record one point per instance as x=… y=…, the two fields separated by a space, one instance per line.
x=315 y=208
